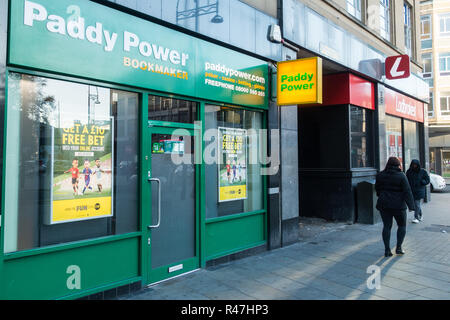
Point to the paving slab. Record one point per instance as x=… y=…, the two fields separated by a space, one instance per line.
x=330 y=261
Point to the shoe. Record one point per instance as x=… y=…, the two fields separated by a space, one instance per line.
x=421 y=219
x=415 y=221
x=399 y=250
x=388 y=253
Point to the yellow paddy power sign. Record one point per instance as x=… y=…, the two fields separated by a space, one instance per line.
x=299 y=81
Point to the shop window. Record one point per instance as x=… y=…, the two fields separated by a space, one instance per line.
x=234 y=181
x=385 y=19
x=361 y=146
x=411 y=141
x=71 y=162
x=172 y=110
x=394 y=142
x=445 y=103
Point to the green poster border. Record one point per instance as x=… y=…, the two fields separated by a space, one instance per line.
x=49 y=219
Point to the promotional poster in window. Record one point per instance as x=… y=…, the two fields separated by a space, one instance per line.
x=82 y=172
x=232 y=164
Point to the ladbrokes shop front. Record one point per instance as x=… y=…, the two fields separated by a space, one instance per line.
x=130 y=151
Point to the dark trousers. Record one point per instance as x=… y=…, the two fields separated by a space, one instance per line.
x=400 y=217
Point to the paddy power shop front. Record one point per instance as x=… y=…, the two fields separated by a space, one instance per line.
x=130 y=151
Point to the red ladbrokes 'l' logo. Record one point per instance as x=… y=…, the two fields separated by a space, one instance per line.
x=397 y=67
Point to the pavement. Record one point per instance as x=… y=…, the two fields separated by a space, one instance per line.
x=331 y=261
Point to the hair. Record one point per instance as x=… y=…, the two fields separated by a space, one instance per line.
x=393 y=162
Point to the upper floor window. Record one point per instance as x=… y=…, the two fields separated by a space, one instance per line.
x=427 y=65
x=445 y=103
x=431 y=106
x=425 y=27
x=407 y=27
x=444 y=63
x=385 y=19
x=444 y=25
x=354 y=8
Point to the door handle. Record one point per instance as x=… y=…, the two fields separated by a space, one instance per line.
x=159 y=202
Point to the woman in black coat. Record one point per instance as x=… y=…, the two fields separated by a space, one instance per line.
x=394 y=195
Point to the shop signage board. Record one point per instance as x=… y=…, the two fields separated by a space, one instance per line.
x=299 y=81
x=346 y=88
x=403 y=106
x=93 y=41
x=232 y=164
x=397 y=67
x=82 y=172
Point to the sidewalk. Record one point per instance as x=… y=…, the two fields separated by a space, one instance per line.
x=330 y=262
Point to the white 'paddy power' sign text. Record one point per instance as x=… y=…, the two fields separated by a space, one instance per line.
x=97 y=34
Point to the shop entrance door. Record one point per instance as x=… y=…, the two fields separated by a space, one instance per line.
x=172 y=176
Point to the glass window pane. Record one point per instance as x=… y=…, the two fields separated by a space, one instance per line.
x=354 y=8
x=445 y=103
x=71 y=164
x=426 y=27
x=444 y=25
x=411 y=142
x=427 y=65
x=425 y=22
x=446 y=163
x=394 y=142
x=385 y=19
x=442 y=63
x=234 y=183
x=172 y=110
x=431 y=105
x=169 y=244
x=361 y=128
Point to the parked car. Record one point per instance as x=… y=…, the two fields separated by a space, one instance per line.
x=437 y=182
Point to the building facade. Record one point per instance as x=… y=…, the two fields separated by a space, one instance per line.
x=346 y=141
x=142 y=140
x=435 y=20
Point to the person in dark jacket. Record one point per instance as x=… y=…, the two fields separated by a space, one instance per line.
x=418 y=179
x=394 y=196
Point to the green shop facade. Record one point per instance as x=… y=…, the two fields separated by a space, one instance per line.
x=131 y=151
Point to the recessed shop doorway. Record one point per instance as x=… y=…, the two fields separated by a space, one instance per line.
x=172 y=175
